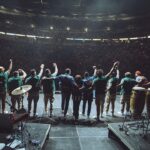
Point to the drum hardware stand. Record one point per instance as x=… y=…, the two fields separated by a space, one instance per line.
x=22 y=110
x=23 y=135
x=20 y=128
x=11 y=107
x=146 y=126
x=20 y=91
x=123 y=126
x=142 y=124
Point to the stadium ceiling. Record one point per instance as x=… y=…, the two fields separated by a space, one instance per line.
x=77 y=7
x=83 y=18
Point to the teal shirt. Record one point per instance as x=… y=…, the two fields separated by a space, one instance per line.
x=3 y=81
x=111 y=85
x=14 y=82
x=127 y=84
x=34 y=82
x=99 y=84
x=48 y=83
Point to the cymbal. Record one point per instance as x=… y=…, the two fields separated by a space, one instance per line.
x=21 y=90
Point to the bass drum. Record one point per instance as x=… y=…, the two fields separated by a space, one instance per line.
x=148 y=102
x=137 y=101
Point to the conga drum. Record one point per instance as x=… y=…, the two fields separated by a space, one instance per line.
x=137 y=101
x=148 y=102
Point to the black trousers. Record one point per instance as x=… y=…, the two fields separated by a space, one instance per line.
x=87 y=98
x=65 y=101
x=3 y=99
x=33 y=97
x=76 y=104
x=14 y=99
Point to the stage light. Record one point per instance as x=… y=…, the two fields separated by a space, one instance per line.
x=108 y=28
x=32 y=26
x=51 y=27
x=86 y=29
x=68 y=28
x=7 y=21
x=2 y=7
x=15 y=10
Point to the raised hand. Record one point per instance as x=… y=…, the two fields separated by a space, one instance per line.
x=42 y=66
x=94 y=67
x=54 y=64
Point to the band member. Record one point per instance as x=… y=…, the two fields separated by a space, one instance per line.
x=13 y=83
x=87 y=93
x=22 y=74
x=127 y=83
x=77 y=95
x=33 y=94
x=3 y=83
x=48 y=84
x=66 y=81
x=140 y=79
x=99 y=85
x=112 y=91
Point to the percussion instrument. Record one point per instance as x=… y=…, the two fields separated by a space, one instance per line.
x=148 y=102
x=21 y=90
x=137 y=101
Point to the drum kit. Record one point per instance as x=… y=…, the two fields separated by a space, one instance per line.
x=20 y=91
x=138 y=120
x=138 y=98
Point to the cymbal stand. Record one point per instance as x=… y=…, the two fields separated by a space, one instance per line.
x=24 y=135
x=10 y=105
x=22 y=110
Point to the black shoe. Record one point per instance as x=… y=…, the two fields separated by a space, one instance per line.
x=97 y=119
x=51 y=115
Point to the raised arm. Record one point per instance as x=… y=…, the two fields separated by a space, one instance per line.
x=95 y=69
x=115 y=65
x=118 y=74
x=24 y=74
x=56 y=69
x=121 y=83
x=10 y=67
x=41 y=70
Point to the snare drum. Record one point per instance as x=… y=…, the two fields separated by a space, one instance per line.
x=137 y=101
x=148 y=102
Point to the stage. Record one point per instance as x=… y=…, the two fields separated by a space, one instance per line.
x=131 y=134
x=87 y=134
x=32 y=136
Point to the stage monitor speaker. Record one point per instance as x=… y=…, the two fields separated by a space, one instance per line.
x=6 y=123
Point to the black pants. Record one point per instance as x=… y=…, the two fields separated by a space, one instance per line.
x=33 y=97
x=87 y=97
x=3 y=99
x=14 y=99
x=65 y=101
x=76 y=104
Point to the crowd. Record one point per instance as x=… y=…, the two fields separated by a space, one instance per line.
x=79 y=56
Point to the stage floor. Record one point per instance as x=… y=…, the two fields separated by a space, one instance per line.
x=68 y=136
x=132 y=135
x=30 y=137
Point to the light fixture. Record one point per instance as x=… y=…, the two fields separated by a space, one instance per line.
x=32 y=26
x=86 y=29
x=68 y=28
x=51 y=27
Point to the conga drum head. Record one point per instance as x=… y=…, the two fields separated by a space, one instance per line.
x=136 y=88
